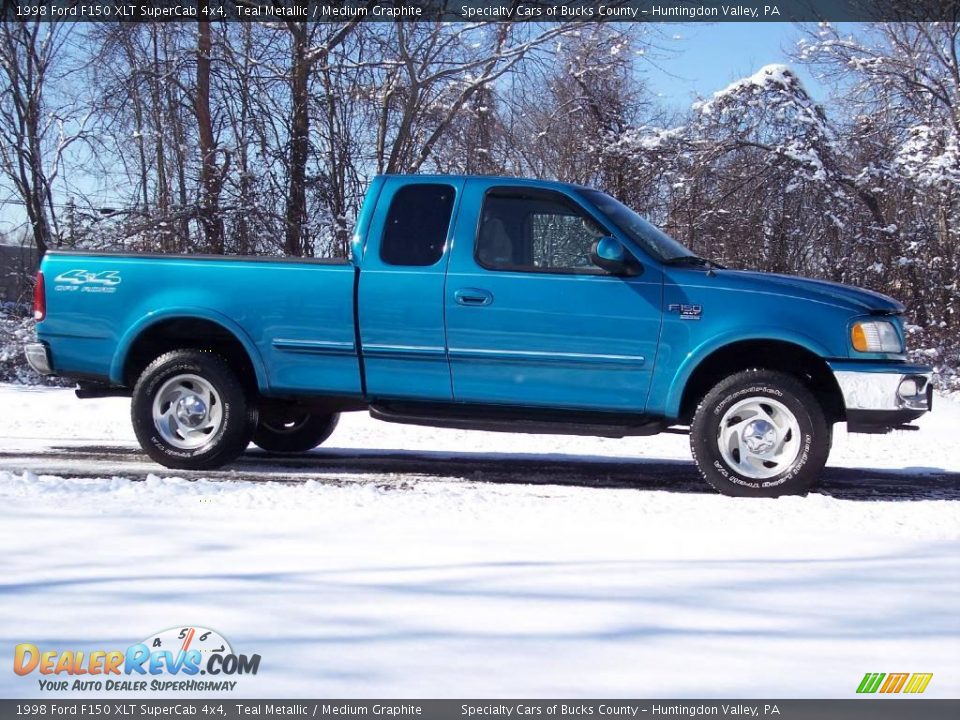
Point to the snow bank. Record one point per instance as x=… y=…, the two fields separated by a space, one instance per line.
x=396 y=584
x=459 y=588
x=17 y=329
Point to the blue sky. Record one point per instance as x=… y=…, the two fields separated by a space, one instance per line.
x=698 y=59
x=706 y=57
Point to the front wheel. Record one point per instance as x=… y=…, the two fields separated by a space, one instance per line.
x=293 y=431
x=760 y=433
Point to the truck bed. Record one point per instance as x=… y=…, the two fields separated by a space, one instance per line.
x=284 y=311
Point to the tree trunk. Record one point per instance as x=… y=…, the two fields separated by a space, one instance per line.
x=210 y=174
x=296 y=214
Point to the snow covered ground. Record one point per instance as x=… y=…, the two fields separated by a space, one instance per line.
x=414 y=562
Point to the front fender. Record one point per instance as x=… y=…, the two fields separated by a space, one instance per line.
x=692 y=360
x=175 y=313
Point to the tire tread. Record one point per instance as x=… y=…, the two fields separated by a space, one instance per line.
x=808 y=475
x=235 y=438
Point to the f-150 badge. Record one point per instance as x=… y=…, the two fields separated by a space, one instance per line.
x=687 y=312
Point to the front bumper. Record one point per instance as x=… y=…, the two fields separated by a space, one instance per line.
x=880 y=397
x=38 y=356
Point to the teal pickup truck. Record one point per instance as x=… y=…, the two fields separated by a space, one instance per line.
x=482 y=303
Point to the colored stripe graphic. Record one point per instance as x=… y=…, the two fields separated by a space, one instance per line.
x=918 y=682
x=894 y=682
x=870 y=682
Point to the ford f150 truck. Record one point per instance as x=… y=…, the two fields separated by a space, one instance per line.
x=483 y=303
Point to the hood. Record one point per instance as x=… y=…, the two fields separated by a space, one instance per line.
x=856 y=299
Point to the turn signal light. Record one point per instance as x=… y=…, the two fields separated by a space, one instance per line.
x=858 y=338
x=875 y=336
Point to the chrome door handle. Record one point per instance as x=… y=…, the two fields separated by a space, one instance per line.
x=473 y=296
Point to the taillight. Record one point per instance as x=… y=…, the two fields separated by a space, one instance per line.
x=39 y=299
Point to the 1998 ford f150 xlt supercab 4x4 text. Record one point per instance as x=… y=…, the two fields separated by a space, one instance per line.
x=487 y=303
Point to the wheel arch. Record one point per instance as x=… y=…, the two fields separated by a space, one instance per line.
x=788 y=356
x=185 y=328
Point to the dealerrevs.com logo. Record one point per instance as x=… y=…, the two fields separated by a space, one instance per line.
x=168 y=661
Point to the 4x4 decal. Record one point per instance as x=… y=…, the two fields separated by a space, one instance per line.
x=84 y=277
x=105 y=281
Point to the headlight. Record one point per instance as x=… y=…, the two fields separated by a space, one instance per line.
x=876 y=336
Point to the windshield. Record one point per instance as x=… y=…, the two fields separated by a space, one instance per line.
x=651 y=238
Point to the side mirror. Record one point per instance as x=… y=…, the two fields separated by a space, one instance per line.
x=609 y=254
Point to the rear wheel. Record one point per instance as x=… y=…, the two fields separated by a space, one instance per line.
x=293 y=430
x=760 y=433
x=190 y=411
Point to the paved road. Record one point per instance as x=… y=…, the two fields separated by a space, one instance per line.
x=402 y=469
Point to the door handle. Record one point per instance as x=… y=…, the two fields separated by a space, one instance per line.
x=473 y=296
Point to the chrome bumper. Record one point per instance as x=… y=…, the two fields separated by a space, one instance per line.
x=38 y=355
x=887 y=391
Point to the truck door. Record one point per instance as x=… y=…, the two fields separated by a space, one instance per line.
x=401 y=289
x=530 y=320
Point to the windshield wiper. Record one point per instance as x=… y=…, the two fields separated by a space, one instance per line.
x=695 y=260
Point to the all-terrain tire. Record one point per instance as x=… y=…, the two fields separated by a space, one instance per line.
x=218 y=438
x=760 y=410
x=293 y=434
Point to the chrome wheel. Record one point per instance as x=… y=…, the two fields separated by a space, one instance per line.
x=759 y=437
x=187 y=411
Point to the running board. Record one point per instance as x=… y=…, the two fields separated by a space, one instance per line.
x=878 y=429
x=529 y=421
x=90 y=390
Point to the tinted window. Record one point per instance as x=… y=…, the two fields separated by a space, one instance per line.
x=651 y=238
x=535 y=230
x=417 y=225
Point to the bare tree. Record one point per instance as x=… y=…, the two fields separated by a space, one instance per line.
x=587 y=99
x=901 y=105
x=141 y=73
x=311 y=43
x=34 y=132
x=211 y=173
x=429 y=73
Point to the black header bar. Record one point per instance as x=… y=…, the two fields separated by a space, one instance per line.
x=226 y=708
x=482 y=10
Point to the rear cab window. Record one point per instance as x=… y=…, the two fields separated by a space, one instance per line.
x=417 y=225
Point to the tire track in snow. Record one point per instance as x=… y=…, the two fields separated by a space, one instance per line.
x=400 y=468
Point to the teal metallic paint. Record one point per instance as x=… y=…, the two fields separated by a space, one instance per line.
x=258 y=302
x=361 y=232
x=315 y=347
x=153 y=319
x=871 y=367
x=455 y=331
x=401 y=314
x=675 y=368
x=567 y=340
